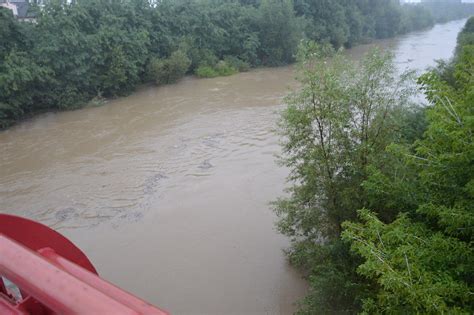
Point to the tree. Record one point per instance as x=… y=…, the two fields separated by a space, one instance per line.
x=124 y=49
x=327 y=22
x=278 y=32
x=423 y=261
x=335 y=126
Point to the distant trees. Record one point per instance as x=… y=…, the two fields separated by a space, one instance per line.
x=466 y=37
x=443 y=12
x=104 y=48
x=415 y=17
x=326 y=21
x=380 y=211
x=279 y=32
x=345 y=23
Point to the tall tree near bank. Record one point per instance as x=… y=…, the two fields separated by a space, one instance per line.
x=335 y=126
x=423 y=262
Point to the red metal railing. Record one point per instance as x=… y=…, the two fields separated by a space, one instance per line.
x=51 y=284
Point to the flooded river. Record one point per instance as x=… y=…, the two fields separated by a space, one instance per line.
x=167 y=190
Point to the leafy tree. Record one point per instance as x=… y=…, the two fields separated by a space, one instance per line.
x=18 y=77
x=327 y=21
x=387 y=18
x=19 y=74
x=423 y=261
x=240 y=33
x=63 y=45
x=279 y=32
x=123 y=49
x=12 y=34
x=335 y=126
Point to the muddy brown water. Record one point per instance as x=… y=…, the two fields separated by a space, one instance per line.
x=167 y=190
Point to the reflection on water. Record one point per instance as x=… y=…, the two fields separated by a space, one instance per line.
x=167 y=190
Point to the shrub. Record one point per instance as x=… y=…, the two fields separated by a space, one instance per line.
x=203 y=57
x=206 y=72
x=236 y=63
x=9 y=114
x=222 y=68
x=169 y=70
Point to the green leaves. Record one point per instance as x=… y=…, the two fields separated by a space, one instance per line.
x=278 y=32
x=336 y=125
x=169 y=70
x=18 y=77
x=338 y=122
x=423 y=261
x=417 y=271
x=104 y=48
x=351 y=142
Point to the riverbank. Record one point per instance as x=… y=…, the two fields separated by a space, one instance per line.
x=76 y=53
x=354 y=51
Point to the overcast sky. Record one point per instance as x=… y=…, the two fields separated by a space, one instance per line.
x=472 y=1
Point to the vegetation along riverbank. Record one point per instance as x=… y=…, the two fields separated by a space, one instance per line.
x=76 y=52
x=380 y=212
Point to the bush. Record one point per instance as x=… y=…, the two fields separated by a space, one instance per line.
x=169 y=70
x=225 y=69
x=202 y=57
x=236 y=63
x=222 y=68
x=9 y=114
x=206 y=72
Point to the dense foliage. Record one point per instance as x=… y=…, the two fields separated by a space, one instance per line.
x=336 y=125
x=423 y=261
x=352 y=141
x=101 y=48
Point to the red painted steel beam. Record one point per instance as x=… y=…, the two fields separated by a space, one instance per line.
x=105 y=287
x=60 y=291
x=35 y=236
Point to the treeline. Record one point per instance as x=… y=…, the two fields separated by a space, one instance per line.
x=381 y=211
x=102 y=48
x=444 y=11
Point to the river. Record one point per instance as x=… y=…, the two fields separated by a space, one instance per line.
x=168 y=190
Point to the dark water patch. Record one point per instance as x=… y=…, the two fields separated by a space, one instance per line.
x=66 y=214
x=152 y=182
x=132 y=216
x=126 y=216
x=213 y=140
x=205 y=165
